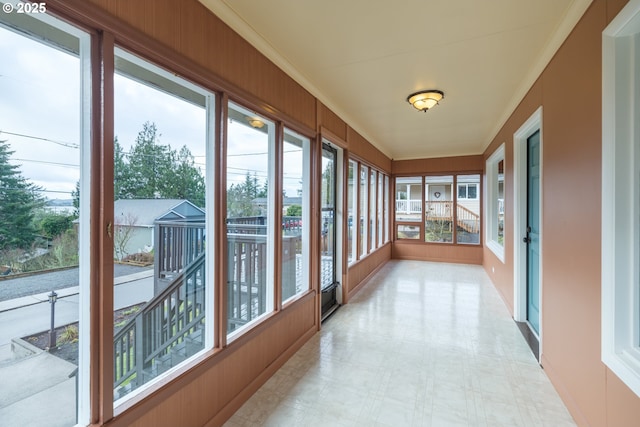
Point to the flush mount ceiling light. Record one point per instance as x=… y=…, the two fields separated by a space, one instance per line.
x=425 y=99
x=254 y=122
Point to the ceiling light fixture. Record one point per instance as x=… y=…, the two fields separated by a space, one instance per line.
x=425 y=99
x=254 y=122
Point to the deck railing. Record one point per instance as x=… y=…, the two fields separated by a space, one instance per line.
x=169 y=326
x=468 y=220
x=178 y=244
x=409 y=206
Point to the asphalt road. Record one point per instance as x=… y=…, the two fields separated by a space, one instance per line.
x=51 y=281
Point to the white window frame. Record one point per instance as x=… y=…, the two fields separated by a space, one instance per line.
x=467 y=185
x=491 y=207
x=210 y=106
x=353 y=205
x=621 y=177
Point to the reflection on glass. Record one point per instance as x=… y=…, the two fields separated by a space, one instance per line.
x=249 y=250
x=295 y=278
x=409 y=198
x=468 y=209
x=439 y=209
x=408 y=231
x=159 y=221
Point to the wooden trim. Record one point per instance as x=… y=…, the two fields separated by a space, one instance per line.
x=96 y=253
x=221 y=223
x=277 y=220
x=333 y=138
x=105 y=239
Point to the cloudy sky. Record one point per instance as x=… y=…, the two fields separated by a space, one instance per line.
x=39 y=117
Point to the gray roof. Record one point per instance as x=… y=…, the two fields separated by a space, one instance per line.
x=143 y=212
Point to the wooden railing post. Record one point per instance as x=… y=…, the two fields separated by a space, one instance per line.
x=138 y=347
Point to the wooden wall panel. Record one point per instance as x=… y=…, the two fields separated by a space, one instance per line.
x=571 y=203
x=501 y=273
x=363 y=149
x=219 y=390
x=435 y=252
x=571 y=244
x=361 y=271
x=438 y=165
x=331 y=121
x=190 y=29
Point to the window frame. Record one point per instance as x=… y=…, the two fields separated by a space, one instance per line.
x=491 y=206
x=210 y=98
x=620 y=213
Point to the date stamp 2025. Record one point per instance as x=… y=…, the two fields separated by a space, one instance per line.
x=25 y=8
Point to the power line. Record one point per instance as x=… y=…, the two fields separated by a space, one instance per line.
x=69 y=165
x=64 y=144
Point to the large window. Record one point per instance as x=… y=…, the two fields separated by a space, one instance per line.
x=468 y=209
x=372 y=209
x=295 y=220
x=364 y=221
x=45 y=157
x=352 y=197
x=250 y=221
x=495 y=203
x=439 y=209
x=160 y=222
x=621 y=196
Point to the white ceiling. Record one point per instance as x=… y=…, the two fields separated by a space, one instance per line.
x=362 y=58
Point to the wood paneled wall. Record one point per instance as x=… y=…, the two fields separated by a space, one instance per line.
x=569 y=92
x=189 y=28
x=439 y=165
x=360 y=272
x=361 y=148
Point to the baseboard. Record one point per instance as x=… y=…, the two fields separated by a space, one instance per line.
x=572 y=406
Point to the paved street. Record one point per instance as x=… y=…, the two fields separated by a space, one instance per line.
x=37 y=317
x=53 y=281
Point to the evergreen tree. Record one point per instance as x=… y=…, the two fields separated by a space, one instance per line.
x=18 y=202
x=76 y=200
x=153 y=171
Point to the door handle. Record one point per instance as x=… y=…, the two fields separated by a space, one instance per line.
x=526 y=239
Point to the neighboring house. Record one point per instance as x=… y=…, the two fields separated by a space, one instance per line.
x=134 y=222
x=261 y=203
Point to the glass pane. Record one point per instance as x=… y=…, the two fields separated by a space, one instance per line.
x=468 y=211
x=250 y=143
x=363 y=193
x=328 y=218
x=462 y=191
x=380 y=209
x=159 y=229
x=372 y=210
x=295 y=221
x=408 y=231
x=472 y=191
x=386 y=209
x=500 y=201
x=351 y=210
x=44 y=217
x=409 y=199
x=439 y=209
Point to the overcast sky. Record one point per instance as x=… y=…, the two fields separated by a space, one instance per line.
x=39 y=98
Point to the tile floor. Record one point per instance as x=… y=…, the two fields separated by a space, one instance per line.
x=423 y=344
